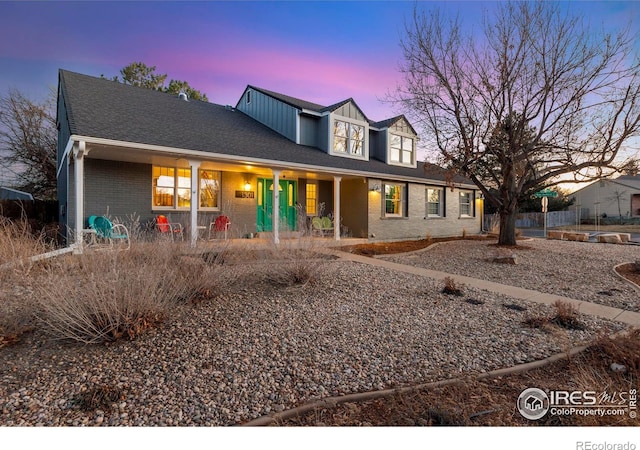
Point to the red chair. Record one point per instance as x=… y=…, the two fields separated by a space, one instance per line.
x=222 y=223
x=164 y=226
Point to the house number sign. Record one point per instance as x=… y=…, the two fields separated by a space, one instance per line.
x=245 y=194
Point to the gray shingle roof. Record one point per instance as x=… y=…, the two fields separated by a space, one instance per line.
x=106 y=109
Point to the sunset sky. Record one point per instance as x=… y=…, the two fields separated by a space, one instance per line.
x=321 y=51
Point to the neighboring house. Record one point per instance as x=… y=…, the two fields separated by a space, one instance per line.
x=125 y=150
x=610 y=197
x=13 y=194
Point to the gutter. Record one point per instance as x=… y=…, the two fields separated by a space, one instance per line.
x=186 y=153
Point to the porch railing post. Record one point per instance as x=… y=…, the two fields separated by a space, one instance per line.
x=336 y=207
x=195 y=200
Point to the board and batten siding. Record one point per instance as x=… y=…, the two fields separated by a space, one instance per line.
x=273 y=113
x=351 y=111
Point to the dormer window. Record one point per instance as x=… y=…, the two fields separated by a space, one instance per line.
x=348 y=138
x=401 y=149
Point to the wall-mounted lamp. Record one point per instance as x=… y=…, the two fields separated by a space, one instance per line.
x=375 y=188
x=247 y=186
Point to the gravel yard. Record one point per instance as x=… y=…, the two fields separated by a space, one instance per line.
x=579 y=270
x=260 y=347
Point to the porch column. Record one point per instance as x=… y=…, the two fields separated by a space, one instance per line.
x=275 y=214
x=195 y=201
x=79 y=151
x=336 y=207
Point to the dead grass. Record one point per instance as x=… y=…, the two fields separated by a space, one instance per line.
x=295 y=264
x=108 y=295
x=566 y=316
x=98 y=397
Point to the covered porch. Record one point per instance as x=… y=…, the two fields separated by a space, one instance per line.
x=147 y=181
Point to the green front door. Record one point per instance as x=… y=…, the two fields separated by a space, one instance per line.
x=287 y=207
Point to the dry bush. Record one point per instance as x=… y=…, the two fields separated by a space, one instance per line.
x=296 y=262
x=98 y=397
x=107 y=295
x=567 y=316
x=450 y=287
x=17 y=245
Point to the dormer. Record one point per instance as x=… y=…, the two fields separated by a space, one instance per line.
x=348 y=131
x=397 y=142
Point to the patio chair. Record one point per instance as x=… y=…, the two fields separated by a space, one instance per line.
x=172 y=228
x=321 y=225
x=107 y=231
x=222 y=223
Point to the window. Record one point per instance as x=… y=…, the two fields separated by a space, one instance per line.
x=348 y=138
x=435 y=202
x=163 y=186
x=465 y=204
x=172 y=188
x=394 y=200
x=248 y=96
x=401 y=149
x=312 y=199
x=209 y=189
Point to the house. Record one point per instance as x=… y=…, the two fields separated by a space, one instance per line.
x=125 y=150
x=610 y=197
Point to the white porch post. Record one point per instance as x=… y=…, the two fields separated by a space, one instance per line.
x=195 y=201
x=336 y=207
x=275 y=210
x=79 y=152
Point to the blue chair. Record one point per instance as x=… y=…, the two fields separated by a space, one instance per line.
x=107 y=231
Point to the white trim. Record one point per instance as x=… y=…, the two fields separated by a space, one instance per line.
x=195 y=200
x=365 y=142
x=336 y=207
x=275 y=210
x=65 y=155
x=79 y=152
x=185 y=153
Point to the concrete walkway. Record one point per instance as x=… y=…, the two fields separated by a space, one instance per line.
x=606 y=312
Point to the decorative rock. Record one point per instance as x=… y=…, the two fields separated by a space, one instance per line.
x=580 y=237
x=615 y=367
x=555 y=234
x=509 y=259
x=625 y=237
x=609 y=238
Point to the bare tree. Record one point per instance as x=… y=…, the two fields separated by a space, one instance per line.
x=28 y=138
x=541 y=95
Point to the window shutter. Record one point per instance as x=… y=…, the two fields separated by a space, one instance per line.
x=444 y=202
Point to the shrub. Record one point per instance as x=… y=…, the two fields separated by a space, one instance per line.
x=17 y=245
x=296 y=263
x=566 y=316
x=107 y=295
x=450 y=287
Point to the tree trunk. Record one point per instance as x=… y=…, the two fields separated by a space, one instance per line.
x=507 y=234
